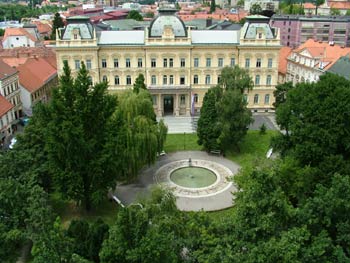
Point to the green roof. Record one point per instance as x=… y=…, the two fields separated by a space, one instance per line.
x=341 y=67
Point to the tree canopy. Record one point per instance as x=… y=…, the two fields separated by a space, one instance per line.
x=133 y=14
x=56 y=24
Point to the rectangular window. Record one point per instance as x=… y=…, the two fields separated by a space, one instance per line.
x=196 y=62
x=104 y=63
x=247 y=62
x=128 y=80
x=257 y=80
x=171 y=62
x=267 y=99
x=208 y=64
x=88 y=63
x=171 y=80
x=127 y=63
x=116 y=80
x=195 y=79
x=207 y=79
x=77 y=64
x=268 y=80
x=182 y=99
x=182 y=63
x=116 y=63
x=256 y=99
x=220 y=62
x=258 y=63
x=233 y=62
x=182 y=80
x=153 y=80
x=139 y=62
x=269 y=63
x=165 y=62
x=195 y=98
x=165 y=80
x=153 y=63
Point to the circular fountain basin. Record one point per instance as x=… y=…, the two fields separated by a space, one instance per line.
x=193 y=177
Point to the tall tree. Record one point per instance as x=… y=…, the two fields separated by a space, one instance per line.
x=212 y=6
x=236 y=78
x=317 y=4
x=255 y=9
x=56 y=24
x=234 y=119
x=280 y=93
x=77 y=138
x=208 y=129
x=139 y=83
x=133 y=14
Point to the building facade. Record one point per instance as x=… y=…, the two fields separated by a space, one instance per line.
x=296 y=30
x=311 y=60
x=179 y=64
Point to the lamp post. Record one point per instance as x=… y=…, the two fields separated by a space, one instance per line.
x=184 y=140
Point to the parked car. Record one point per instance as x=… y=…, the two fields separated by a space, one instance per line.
x=13 y=142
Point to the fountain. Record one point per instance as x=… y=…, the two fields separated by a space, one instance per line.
x=193 y=177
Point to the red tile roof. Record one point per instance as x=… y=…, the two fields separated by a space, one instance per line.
x=339 y=5
x=282 y=65
x=5 y=106
x=323 y=51
x=18 y=32
x=35 y=73
x=43 y=28
x=6 y=70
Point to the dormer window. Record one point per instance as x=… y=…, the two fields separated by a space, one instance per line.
x=75 y=36
x=260 y=35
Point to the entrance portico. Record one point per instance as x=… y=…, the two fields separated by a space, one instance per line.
x=174 y=101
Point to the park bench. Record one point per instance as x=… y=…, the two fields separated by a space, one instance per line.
x=215 y=152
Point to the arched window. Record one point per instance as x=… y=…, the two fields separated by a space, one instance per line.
x=195 y=98
x=195 y=79
x=207 y=79
x=153 y=80
x=268 y=80
x=104 y=78
x=257 y=80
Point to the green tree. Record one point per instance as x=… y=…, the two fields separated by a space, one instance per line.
x=56 y=24
x=240 y=3
x=2 y=32
x=150 y=233
x=77 y=138
x=280 y=93
x=318 y=118
x=347 y=12
x=317 y=4
x=255 y=9
x=335 y=12
x=212 y=6
x=236 y=78
x=133 y=14
x=139 y=83
x=149 y=15
x=208 y=129
x=234 y=119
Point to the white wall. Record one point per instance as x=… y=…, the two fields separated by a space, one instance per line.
x=17 y=41
x=26 y=101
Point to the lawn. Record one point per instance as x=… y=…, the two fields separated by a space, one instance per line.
x=254 y=146
x=182 y=142
x=68 y=211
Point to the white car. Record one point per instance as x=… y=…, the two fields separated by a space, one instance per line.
x=13 y=142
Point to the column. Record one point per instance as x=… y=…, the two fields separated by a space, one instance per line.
x=177 y=109
x=159 y=106
x=188 y=104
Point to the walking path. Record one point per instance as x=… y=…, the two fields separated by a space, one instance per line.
x=131 y=192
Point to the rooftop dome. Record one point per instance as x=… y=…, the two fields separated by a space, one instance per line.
x=165 y=18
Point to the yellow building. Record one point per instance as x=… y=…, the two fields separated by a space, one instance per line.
x=179 y=64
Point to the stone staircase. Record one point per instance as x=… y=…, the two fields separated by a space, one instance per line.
x=180 y=124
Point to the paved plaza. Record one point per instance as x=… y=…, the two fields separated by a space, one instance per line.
x=215 y=201
x=189 y=124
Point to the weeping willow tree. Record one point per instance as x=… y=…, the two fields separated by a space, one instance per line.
x=140 y=138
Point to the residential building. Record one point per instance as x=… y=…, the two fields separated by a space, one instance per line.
x=311 y=60
x=18 y=37
x=341 y=67
x=296 y=30
x=7 y=117
x=282 y=65
x=179 y=64
x=9 y=88
x=37 y=76
x=271 y=5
